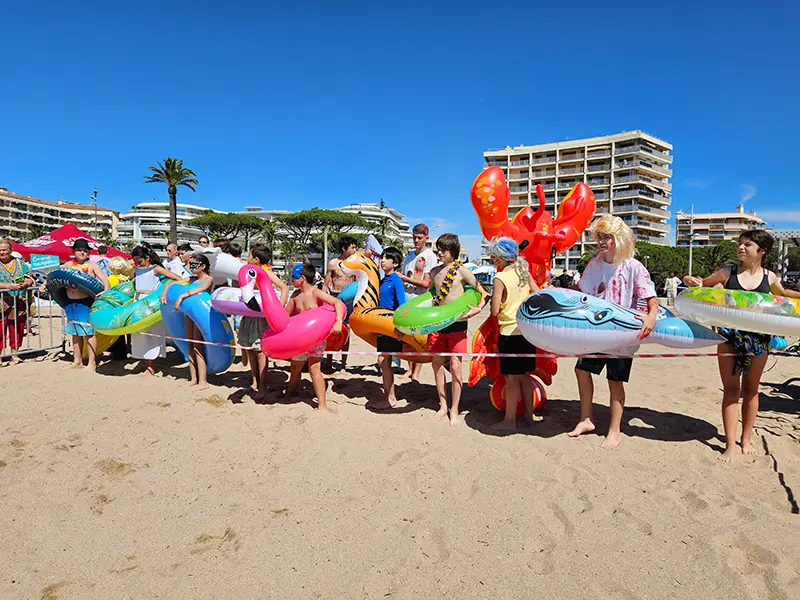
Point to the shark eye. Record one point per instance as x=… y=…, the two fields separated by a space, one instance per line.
x=584 y=299
x=602 y=314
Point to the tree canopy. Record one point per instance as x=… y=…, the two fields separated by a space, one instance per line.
x=301 y=225
x=173 y=173
x=228 y=225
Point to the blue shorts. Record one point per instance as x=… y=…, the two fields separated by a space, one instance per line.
x=78 y=310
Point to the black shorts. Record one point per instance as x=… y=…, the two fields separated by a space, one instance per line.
x=455 y=327
x=389 y=344
x=516 y=344
x=617 y=369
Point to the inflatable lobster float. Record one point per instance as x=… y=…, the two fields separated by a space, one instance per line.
x=540 y=238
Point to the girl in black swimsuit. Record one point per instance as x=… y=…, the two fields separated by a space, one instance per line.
x=744 y=353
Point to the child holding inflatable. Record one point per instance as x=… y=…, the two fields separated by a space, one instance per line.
x=741 y=374
x=252 y=329
x=77 y=310
x=390 y=296
x=613 y=274
x=448 y=281
x=307 y=297
x=512 y=284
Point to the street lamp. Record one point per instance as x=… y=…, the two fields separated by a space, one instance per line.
x=93 y=198
x=646 y=259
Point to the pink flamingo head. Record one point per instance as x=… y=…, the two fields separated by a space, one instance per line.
x=251 y=276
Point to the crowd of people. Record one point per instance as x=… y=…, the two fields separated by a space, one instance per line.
x=613 y=274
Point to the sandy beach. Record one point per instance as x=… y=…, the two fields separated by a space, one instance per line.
x=118 y=486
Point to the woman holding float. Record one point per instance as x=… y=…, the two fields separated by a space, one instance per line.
x=15 y=279
x=744 y=353
x=150 y=273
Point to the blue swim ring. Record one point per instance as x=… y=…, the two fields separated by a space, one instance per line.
x=59 y=280
x=213 y=326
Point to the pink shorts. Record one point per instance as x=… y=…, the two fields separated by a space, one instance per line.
x=448 y=342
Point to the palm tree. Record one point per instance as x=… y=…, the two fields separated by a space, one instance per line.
x=173 y=173
x=270 y=234
x=719 y=256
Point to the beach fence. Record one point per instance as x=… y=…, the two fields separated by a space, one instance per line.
x=29 y=324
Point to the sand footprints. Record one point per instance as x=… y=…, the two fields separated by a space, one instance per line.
x=226 y=544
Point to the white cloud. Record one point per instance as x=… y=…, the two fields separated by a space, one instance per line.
x=698 y=184
x=748 y=191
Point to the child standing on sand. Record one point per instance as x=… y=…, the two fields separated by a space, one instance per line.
x=742 y=373
x=307 y=297
x=252 y=329
x=447 y=282
x=512 y=284
x=614 y=275
x=391 y=296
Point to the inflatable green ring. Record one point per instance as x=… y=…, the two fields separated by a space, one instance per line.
x=117 y=313
x=418 y=316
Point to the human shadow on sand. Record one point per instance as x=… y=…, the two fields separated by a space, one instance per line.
x=561 y=415
x=369 y=394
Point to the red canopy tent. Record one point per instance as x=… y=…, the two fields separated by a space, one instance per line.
x=59 y=243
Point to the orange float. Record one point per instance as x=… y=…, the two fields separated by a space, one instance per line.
x=368 y=320
x=497 y=395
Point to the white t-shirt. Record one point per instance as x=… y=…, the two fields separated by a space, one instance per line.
x=671 y=284
x=176 y=266
x=416 y=266
x=607 y=271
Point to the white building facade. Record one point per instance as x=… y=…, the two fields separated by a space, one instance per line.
x=149 y=222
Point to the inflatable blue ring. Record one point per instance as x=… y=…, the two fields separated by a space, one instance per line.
x=59 y=280
x=213 y=326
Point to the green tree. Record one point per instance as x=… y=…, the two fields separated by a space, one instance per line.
x=717 y=256
x=301 y=225
x=173 y=173
x=36 y=231
x=228 y=225
x=105 y=236
x=270 y=234
x=290 y=249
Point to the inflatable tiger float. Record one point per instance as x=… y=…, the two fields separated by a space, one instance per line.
x=368 y=320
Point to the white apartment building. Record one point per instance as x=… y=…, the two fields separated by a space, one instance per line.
x=149 y=222
x=396 y=225
x=712 y=228
x=21 y=216
x=628 y=172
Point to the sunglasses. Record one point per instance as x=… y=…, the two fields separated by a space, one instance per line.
x=204 y=243
x=194 y=265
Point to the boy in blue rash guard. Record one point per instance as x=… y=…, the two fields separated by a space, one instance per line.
x=391 y=295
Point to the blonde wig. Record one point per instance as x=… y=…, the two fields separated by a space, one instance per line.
x=623 y=235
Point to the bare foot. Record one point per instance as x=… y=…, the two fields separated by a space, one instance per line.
x=747 y=449
x=91 y=367
x=15 y=360
x=441 y=413
x=203 y=386
x=259 y=396
x=74 y=366
x=327 y=408
x=384 y=404
x=612 y=440
x=530 y=420
x=504 y=426
x=585 y=426
x=728 y=455
x=453 y=418
x=146 y=373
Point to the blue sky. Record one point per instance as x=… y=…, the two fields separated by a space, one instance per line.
x=304 y=104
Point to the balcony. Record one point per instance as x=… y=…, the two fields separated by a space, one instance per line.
x=635 y=207
x=601 y=210
x=572 y=157
x=637 y=222
x=643 y=193
x=598 y=168
x=598 y=153
x=642 y=179
x=548 y=186
x=523 y=189
x=518 y=176
x=653 y=239
x=640 y=164
x=602 y=196
x=544 y=160
x=593 y=181
x=635 y=148
x=572 y=171
x=544 y=174
x=520 y=163
x=569 y=184
x=496 y=163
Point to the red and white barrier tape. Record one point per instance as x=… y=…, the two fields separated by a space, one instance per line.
x=460 y=354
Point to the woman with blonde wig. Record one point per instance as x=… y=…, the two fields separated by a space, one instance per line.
x=614 y=275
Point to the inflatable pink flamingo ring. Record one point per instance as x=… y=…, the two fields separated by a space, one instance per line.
x=287 y=336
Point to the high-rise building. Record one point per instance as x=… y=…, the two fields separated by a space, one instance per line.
x=712 y=228
x=628 y=172
x=23 y=218
x=149 y=222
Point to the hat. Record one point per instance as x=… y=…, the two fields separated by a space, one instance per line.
x=297 y=271
x=80 y=244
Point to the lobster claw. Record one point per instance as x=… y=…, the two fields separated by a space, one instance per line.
x=490 y=198
x=574 y=216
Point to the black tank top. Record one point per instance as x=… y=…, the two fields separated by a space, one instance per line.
x=733 y=282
